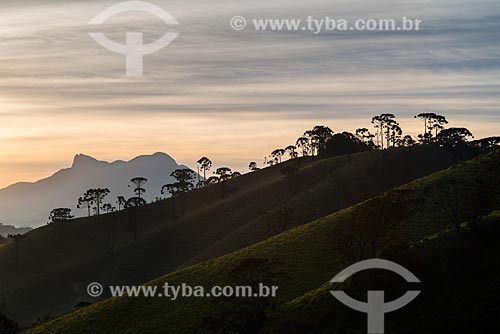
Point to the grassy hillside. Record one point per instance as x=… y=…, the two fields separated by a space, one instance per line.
x=460 y=276
x=415 y=225
x=53 y=265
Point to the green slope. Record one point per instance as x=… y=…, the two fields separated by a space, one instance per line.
x=303 y=259
x=54 y=266
x=460 y=276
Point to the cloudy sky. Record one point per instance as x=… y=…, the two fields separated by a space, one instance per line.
x=232 y=95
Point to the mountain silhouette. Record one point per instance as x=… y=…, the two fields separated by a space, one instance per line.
x=5 y=230
x=29 y=203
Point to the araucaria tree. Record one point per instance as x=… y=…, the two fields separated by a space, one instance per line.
x=365 y=136
x=183 y=182
x=292 y=151
x=93 y=198
x=437 y=123
x=318 y=136
x=139 y=182
x=205 y=165
x=278 y=154
x=108 y=208
x=432 y=122
x=86 y=201
x=99 y=194
x=395 y=132
x=137 y=200
x=304 y=145
x=57 y=218
x=426 y=136
x=386 y=128
x=224 y=173
x=60 y=215
x=120 y=200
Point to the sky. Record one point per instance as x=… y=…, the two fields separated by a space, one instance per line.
x=233 y=96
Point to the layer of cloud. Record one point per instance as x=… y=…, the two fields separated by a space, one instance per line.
x=215 y=84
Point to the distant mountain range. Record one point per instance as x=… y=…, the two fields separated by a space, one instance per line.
x=5 y=230
x=28 y=204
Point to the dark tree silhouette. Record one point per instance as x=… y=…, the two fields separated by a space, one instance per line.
x=86 y=201
x=437 y=123
x=253 y=166
x=484 y=145
x=93 y=197
x=120 y=200
x=212 y=180
x=385 y=126
x=395 y=133
x=318 y=136
x=139 y=182
x=425 y=137
x=183 y=182
x=365 y=136
x=453 y=137
x=60 y=215
x=407 y=141
x=432 y=122
x=379 y=132
x=108 y=208
x=58 y=218
x=292 y=151
x=345 y=143
x=137 y=200
x=224 y=173
x=134 y=202
x=99 y=194
x=278 y=154
x=235 y=174
x=205 y=165
x=271 y=161
x=304 y=144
